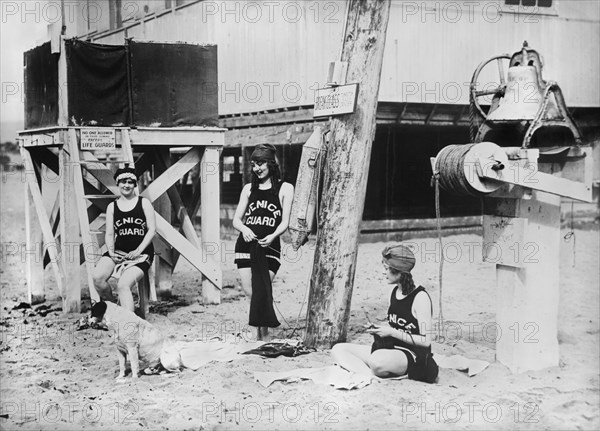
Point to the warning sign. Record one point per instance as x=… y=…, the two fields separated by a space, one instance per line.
x=97 y=139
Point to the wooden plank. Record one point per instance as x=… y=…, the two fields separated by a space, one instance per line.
x=188 y=251
x=275 y=135
x=69 y=232
x=180 y=136
x=100 y=171
x=49 y=240
x=162 y=206
x=172 y=175
x=177 y=204
x=88 y=240
x=211 y=221
x=269 y=118
x=34 y=264
x=63 y=90
x=369 y=226
x=536 y=180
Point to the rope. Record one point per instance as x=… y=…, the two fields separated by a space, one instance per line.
x=449 y=165
x=473 y=118
x=571 y=234
x=436 y=179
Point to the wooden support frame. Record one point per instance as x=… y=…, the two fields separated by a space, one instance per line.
x=42 y=217
x=83 y=176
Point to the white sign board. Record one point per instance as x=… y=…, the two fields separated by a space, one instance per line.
x=335 y=100
x=97 y=139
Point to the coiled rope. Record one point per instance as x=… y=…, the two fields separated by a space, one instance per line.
x=450 y=169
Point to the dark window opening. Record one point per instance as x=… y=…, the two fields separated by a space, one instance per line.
x=529 y=3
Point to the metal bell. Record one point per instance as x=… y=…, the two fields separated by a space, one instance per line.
x=522 y=98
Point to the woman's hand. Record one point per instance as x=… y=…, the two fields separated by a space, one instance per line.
x=132 y=255
x=267 y=240
x=117 y=256
x=248 y=235
x=382 y=331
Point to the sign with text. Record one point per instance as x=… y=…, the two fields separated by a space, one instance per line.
x=335 y=100
x=97 y=139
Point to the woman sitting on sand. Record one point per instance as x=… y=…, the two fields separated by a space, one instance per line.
x=392 y=352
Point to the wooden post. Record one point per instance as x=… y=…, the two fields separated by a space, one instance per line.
x=69 y=231
x=34 y=257
x=528 y=294
x=162 y=205
x=211 y=223
x=345 y=177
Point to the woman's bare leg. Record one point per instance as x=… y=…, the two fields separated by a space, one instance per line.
x=352 y=357
x=101 y=273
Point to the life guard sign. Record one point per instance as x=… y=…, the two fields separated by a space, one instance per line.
x=336 y=100
x=97 y=139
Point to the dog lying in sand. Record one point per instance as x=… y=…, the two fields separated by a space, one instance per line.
x=134 y=337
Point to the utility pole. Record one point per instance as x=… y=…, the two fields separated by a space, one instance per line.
x=345 y=177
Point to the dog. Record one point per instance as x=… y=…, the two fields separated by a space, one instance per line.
x=134 y=337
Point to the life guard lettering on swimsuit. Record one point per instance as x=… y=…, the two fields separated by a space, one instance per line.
x=262 y=220
x=392 y=318
x=129 y=230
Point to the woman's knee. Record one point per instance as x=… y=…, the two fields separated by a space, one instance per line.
x=340 y=350
x=124 y=287
x=99 y=278
x=379 y=367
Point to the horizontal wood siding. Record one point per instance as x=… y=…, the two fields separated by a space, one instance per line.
x=275 y=60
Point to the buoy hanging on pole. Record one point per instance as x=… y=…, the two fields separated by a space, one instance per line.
x=305 y=192
x=457 y=168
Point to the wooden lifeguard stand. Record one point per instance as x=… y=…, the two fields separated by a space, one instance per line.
x=83 y=146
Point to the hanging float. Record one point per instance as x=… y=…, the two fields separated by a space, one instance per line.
x=304 y=205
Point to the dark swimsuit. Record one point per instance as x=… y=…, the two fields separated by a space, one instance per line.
x=130 y=228
x=400 y=317
x=262 y=216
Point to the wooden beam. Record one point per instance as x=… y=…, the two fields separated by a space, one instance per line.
x=178 y=136
x=188 y=251
x=268 y=118
x=211 y=221
x=172 y=174
x=49 y=240
x=34 y=254
x=345 y=177
x=63 y=90
x=69 y=232
x=275 y=135
x=90 y=246
x=162 y=205
x=536 y=180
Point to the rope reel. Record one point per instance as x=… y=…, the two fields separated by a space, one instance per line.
x=456 y=168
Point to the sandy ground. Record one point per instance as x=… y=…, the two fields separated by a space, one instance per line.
x=53 y=377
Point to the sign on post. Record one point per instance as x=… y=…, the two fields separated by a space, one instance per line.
x=335 y=100
x=97 y=139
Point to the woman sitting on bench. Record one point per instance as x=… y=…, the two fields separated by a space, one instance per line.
x=130 y=227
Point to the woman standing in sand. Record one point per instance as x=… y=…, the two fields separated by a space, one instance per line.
x=410 y=312
x=262 y=215
x=130 y=227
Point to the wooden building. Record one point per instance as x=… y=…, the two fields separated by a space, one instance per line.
x=273 y=55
